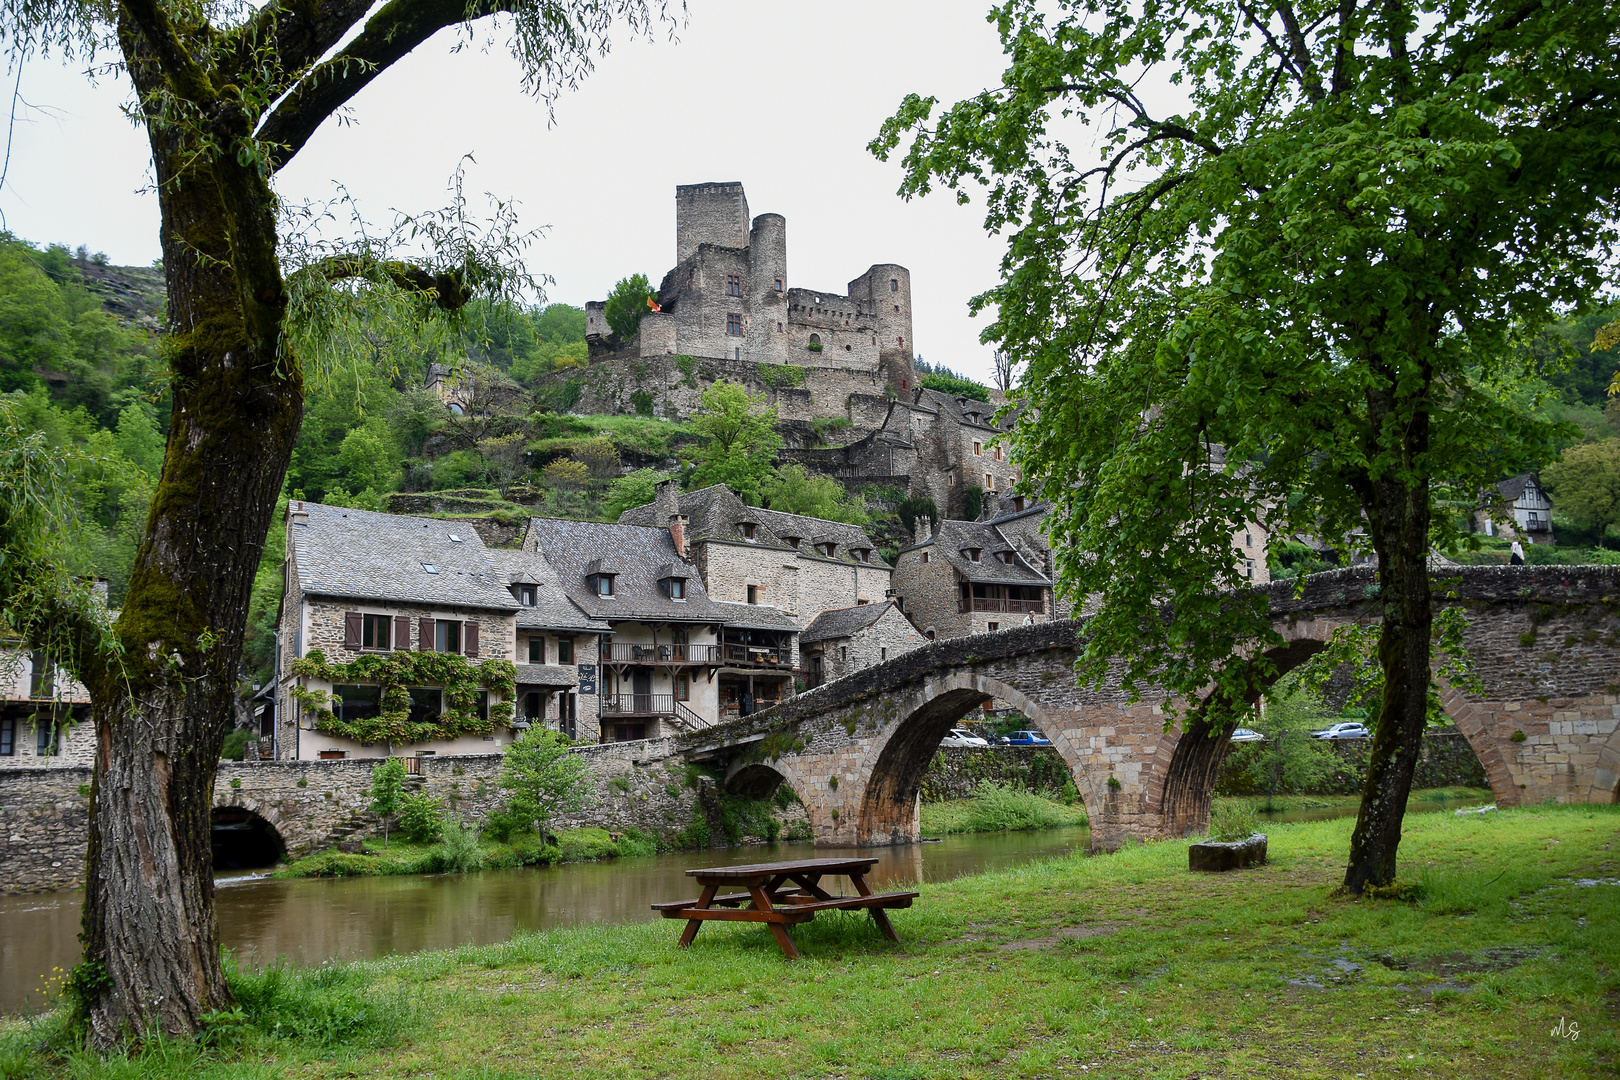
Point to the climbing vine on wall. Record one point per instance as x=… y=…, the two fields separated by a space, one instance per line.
x=394 y=674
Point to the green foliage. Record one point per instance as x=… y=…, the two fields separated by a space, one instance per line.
x=387 y=791
x=740 y=817
x=545 y=779
x=642 y=402
x=825 y=425
x=999 y=808
x=777 y=376
x=564 y=396
x=327 y=1007
x=1233 y=819
x=1290 y=558
x=421 y=817
x=1586 y=485
x=627 y=303
x=234 y=748
x=1288 y=761
x=459 y=853
x=956 y=386
x=1280 y=243
x=631 y=490
x=741 y=440
x=973 y=501
x=394 y=673
x=915 y=507
x=793 y=489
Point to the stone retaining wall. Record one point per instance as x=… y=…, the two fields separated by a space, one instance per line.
x=957 y=771
x=1447 y=761
x=43 y=821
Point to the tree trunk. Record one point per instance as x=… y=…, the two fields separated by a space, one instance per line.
x=1399 y=526
x=149 y=894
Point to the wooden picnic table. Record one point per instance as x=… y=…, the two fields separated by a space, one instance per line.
x=781 y=895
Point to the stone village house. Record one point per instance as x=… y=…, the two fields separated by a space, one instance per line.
x=845 y=640
x=44 y=711
x=1516 y=509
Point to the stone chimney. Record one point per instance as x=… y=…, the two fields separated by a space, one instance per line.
x=990 y=507
x=677 y=533
x=666 y=501
x=296 y=514
x=925 y=528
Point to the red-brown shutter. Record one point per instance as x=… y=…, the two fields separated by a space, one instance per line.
x=425 y=642
x=469 y=639
x=351 y=629
x=402 y=631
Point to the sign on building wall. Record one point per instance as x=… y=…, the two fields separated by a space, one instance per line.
x=587 y=678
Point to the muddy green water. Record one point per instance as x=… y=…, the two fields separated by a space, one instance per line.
x=307 y=921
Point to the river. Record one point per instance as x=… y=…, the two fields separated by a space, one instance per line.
x=311 y=920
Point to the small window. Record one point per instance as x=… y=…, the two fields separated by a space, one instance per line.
x=815 y=339
x=746 y=528
x=995 y=626
x=843 y=653
x=778 y=284
x=602 y=584
x=1007 y=557
x=374 y=631
x=446 y=636
x=753 y=594
x=925 y=556
x=978 y=448
x=950 y=479
x=565 y=650
x=677 y=589
x=778 y=328
x=455 y=539
x=883 y=654
x=792 y=541
x=733 y=284
x=683 y=686
x=829 y=549
x=894 y=284
x=989 y=482
x=526 y=595
x=537 y=650
x=929 y=635
x=995 y=451
x=973 y=554
x=48 y=740
x=863 y=601
x=1248 y=540
x=8 y=736
x=1248 y=569
x=734 y=325
x=430 y=568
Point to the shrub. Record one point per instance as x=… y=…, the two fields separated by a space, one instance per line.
x=1233 y=821
x=642 y=400
x=998 y=808
x=419 y=817
x=635 y=844
x=460 y=853
x=567 y=474
x=956 y=386
x=235 y=745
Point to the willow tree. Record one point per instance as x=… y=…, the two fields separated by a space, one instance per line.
x=1289 y=294
x=229 y=92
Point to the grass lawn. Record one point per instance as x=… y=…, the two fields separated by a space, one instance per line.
x=1120 y=966
x=1460 y=796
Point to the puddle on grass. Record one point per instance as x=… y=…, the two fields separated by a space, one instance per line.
x=1340 y=971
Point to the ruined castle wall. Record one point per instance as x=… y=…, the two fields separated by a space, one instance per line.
x=709 y=214
x=676 y=385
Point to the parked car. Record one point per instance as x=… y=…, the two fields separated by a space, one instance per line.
x=1349 y=729
x=962 y=737
x=1025 y=738
x=1243 y=734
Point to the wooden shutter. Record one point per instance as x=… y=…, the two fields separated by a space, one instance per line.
x=469 y=639
x=351 y=629
x=402 y=631
x=425 y=642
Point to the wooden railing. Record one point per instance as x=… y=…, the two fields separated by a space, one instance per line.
x=994 y=603
x=623 y=652
x=763 y=655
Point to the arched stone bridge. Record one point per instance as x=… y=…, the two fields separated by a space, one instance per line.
x=1545 y=643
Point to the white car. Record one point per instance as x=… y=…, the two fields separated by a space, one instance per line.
x=962 y=737
x=1350 y=729
x=1243 y=734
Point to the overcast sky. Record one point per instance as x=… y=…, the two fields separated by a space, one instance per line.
x=781 y=96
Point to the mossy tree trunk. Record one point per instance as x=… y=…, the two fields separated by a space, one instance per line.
x=149 y=905
x=1398 y=523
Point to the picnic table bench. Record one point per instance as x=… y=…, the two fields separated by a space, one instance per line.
x=781 y=895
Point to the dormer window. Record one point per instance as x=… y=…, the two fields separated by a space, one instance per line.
x=525 y=595
x=746 y=528
x=601 y=584
x=677 y=589
x=1006 y=557
x=792 y=541
x=828 y=549
x=972 y=554
x=1018 y=503
x=862 y=554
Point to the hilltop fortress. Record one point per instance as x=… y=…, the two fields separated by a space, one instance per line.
x=729 y=306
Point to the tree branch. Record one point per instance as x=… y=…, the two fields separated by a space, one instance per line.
x=396 y=29
x=188 y=78
x=296 y=34
x=1154 y=127
x=448 y=290
x=1310 y=78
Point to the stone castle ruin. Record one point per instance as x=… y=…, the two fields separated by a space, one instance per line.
x=729 y=307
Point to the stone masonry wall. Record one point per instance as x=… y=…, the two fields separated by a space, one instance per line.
x=677 y=383
x=1446 y=761
x=957 y=771
x=43 y=823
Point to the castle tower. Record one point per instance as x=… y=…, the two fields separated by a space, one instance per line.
x=709 y=214
x=766 y=286
x=886 y=290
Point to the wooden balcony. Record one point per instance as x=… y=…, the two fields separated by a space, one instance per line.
x=1002 y=604
x=623 y=652
x=758 y=656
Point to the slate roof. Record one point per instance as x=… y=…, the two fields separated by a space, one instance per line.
x=547 y=675
x=1514 y=486
x=370 y=556
x=552 y=609
x=963 y=411
x=636 y=554
x=714 y=513
x=756 y=616
x=843 y=622
x=952 y=536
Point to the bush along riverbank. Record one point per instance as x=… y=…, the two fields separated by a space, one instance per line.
x=468 y=852
x=1000 y=808
x=1500 y=960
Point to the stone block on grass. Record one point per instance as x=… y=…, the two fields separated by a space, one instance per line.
x=1217 y=857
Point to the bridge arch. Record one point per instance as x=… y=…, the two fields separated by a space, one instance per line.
x=244 y=839
x=891 y=804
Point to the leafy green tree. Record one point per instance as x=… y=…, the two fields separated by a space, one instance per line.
x=1586 y=483
x=1296 y=300
x=631 y=490
x=560 y=324
x=740 y=440
x=544 y=778
x=956 y=386
x=387 y=791
x=421 y=817
x=793 y=489
x=626 y=304
x=229 y=95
